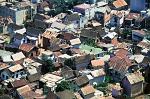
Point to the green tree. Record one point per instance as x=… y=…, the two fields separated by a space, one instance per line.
x=2 y=91
x=70 y=63
x=50 y=65
x=64 y=85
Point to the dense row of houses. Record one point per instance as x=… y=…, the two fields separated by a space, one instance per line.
x=86 y=46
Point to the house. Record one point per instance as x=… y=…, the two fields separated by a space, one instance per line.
x=119 y=67
x=82 y=81
x=16 y=71
x=19 y=39
x=75 y=42
x=100 y=11
x=86 y=9
x=97 y=76
x=32 y=35
x=87 y=92
x=117 y=90
x=97 y=64
x=95 y=51
x=26 y=92
x=75 y=20
x=130 y=19
x=92 y=33
x=58 y=26
x=18 y=56
x=137 y=5
x=66 y=94
x=68 y=73
x=18 y=15
x=50 y=81
x=133 y=84
x=119 y=4
x=138 y=35
x=33 y=75
x=82 y=61
x=4 y=55
x=44 y=7
x=28 y=49
x=49 y=40
x=143 y=47
x=16 y=84
x=32 y=63
x=48 y=55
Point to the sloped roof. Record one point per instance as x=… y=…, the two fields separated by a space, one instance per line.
x=135 y=78
x=88 y=90
x=73 y=17
x=83 y=6
x=18 y=56
x=49 y=34
x=75 y=41
x=120 y=64
x=119 y=3
x=66 y=94
x=82 y=80
x=96 y=63
x=121 y=53
x=3 y=66
x=26 y=47
x=19 y=83
x=15 y=68
x=98 y=73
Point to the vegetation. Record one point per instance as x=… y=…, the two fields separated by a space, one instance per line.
x=65 y=85
x=90 y=42
x=70 y=63
x=126 y=33
x=48 y=66
x=104 y=86
x=64 y=5
x=2 y=91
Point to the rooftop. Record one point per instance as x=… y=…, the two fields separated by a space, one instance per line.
x=87 y=90
x=135 y=78
x=15 y=68
x=26 y=47
x=90 y=50
x=97 y=63
x=75 y=41
x=18 y=56
x=83 y=6
x=97 y=73
x=50 y=79
x=119 y=3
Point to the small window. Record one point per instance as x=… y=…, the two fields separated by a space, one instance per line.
x=3 y=76
x=12 y=76
x=21 y=73
x=16 y=75
x=6 y=77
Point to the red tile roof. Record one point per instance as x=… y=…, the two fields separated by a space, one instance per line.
x=120 y=64
x=119 y=3
x=121 y=53
x=26 y=47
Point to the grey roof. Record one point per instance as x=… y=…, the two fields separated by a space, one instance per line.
x=33 y=32
x=72 y=17
x=66 y=95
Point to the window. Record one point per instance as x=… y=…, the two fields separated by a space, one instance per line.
x=16 y=75
x=21 y=73
x=3 y=76
x=6 y=77
x=12 y=76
